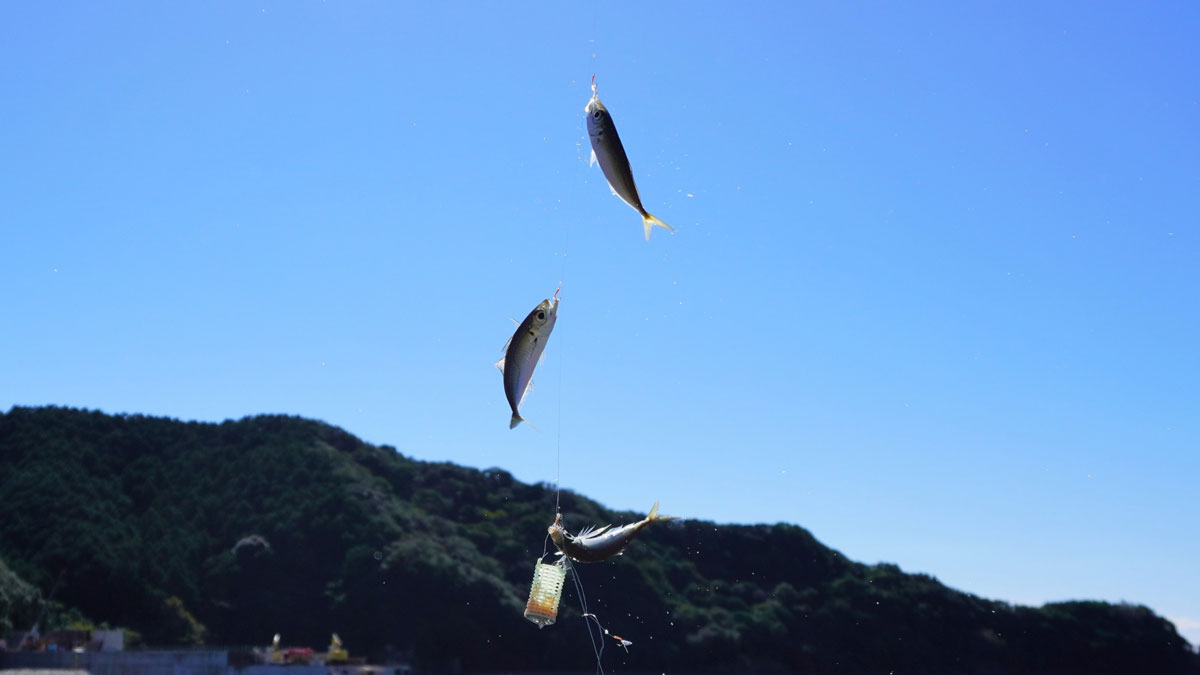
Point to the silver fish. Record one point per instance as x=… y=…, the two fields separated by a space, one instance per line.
x=523 y=351
x=608 y=151
x=596 y=544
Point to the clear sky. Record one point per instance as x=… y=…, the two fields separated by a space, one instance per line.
x=933 y=295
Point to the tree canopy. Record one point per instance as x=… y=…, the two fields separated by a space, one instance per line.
x=199 y=533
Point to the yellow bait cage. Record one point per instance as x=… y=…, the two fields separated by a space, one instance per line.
x=545 y=593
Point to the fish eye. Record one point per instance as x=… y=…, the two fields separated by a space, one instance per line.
x=596 y=114
x=541 y=315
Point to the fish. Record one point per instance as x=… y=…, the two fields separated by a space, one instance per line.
x=597 y=544
x=608 y=151
x=522 y=353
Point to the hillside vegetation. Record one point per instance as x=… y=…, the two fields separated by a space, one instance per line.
x=197 y=533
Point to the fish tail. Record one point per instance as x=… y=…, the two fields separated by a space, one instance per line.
x=517 y=419
x=654 y=517
x=649 y=222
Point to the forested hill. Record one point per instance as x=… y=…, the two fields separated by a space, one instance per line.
x=229 y=533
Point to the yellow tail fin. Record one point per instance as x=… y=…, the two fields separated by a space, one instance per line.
x=649 y=221
x=654 y=517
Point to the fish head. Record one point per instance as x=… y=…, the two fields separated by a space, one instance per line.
x=544 y=316
x=597 y=114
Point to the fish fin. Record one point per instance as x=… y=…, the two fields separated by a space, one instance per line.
x=649 y=221
x=653 y=516
x=614 y=191
x=503 y=350
x=592 y=531
x=592 y=159
x=517 y=419
x=528 y=388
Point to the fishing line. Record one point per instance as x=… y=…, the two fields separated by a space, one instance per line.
x=597 y=647
x=562 y=275
x=588 y=615
x=565 y=561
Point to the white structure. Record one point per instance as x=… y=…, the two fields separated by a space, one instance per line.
x=110 y=640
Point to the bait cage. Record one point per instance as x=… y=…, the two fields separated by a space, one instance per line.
x=544 y=594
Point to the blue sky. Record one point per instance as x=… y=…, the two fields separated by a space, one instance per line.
x=933 y=293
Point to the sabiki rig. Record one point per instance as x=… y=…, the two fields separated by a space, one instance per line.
x=597 y=544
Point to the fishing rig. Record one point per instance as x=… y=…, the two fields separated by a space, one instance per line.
x=545 y=591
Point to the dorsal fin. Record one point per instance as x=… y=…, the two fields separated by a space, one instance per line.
x=592 y=531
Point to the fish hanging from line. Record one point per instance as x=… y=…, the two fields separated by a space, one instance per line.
x=594 y=545
x=608 y=151
x=523 y=351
